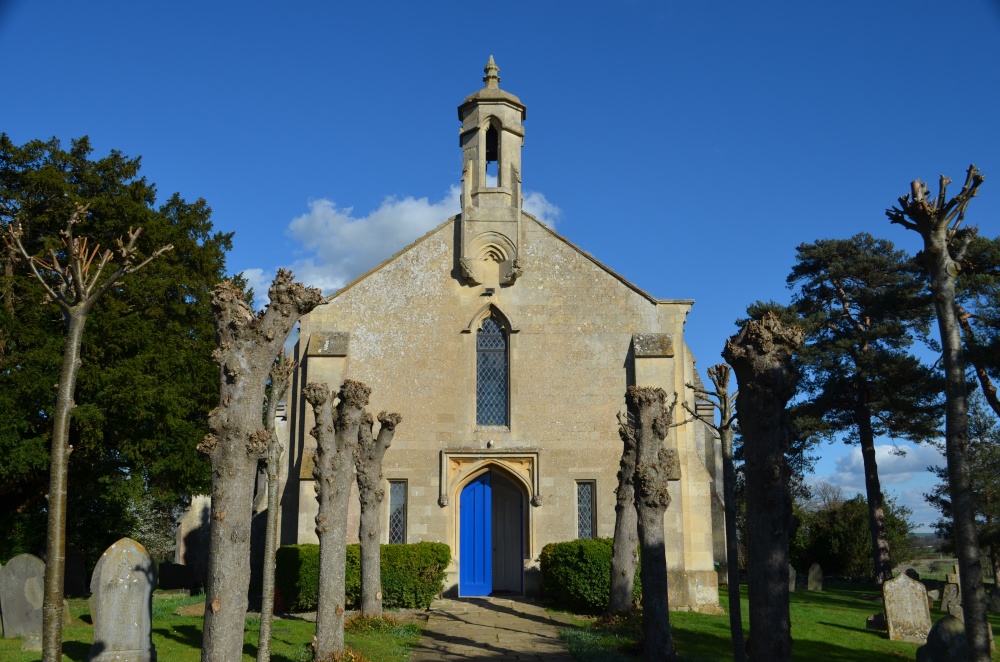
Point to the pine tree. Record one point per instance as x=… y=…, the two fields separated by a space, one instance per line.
x=859 y=297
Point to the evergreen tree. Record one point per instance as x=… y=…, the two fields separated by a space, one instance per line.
x=977 y=306
x=984 y=473
x=147 y=380
x=834 y=533
x=858 y=298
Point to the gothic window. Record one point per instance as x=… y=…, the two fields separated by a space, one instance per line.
x=397 y=512
x=491 y=374
x=585 y=527
x=492 y=149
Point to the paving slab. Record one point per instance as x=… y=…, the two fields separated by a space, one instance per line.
x=490 y=629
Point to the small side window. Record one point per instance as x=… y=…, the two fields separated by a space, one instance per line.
x=397 y=512
x=585 y=525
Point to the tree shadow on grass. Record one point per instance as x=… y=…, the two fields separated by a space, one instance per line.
x=188 y=635
x=78 y=651
x=881 y=634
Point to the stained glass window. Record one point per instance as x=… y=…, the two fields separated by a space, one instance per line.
x=585 y=510
x=491 y=374
x=397 y=512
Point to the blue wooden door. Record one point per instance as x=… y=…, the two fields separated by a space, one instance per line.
x=475 y=575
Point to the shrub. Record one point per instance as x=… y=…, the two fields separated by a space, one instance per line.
x=577 y=574
x=411 y=575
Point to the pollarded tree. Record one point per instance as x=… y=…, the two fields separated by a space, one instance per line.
x=368 y=465
x=248 y=345
x=939 y=221
x=281 y=376
x=725 y=402
x=761 y=356
x=337 y=433
x=655 y=465
x=73 y=280
x=859 y=298
x=625 y=549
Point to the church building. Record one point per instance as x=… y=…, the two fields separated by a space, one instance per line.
x=507 y=350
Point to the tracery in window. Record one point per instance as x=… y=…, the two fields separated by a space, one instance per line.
x=491 y=374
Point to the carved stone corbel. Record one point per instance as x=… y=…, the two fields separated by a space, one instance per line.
x=469 y=270
x=512 y=271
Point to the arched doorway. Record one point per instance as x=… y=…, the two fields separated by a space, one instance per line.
x=491 y=536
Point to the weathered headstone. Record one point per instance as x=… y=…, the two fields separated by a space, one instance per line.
x=906 y=613
x=122 y=604
x=815 y=581
x=949 y=595
x=22 y=589
x=945 y=642
x=791 y=578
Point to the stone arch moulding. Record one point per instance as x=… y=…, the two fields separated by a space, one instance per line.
x=459 y=467
x=486 y=311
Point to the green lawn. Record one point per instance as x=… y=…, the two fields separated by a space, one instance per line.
x=828 y=626
x=178 y=638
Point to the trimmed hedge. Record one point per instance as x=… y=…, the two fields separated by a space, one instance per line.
x=577 y=574
x=412 y=575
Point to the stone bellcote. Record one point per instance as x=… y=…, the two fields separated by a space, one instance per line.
x=491 y=137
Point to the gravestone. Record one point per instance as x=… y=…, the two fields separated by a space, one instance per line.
x=791 y=578
x=945 y=642
x=22 y=589
x=122 y=604
x=949 y=595
x=906 y=613
x=815 y=580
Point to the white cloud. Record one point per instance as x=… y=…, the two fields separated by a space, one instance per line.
x=537 y=205
x=338 y=246
x=893 y=468
x=905 y=477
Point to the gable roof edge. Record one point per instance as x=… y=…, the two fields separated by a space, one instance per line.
x=406 y=249
x=638 y=290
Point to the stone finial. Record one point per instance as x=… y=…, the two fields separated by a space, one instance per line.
x=491 y=78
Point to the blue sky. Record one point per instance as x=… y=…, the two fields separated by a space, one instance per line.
x=689 y=146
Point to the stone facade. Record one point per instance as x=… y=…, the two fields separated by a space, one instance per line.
x=576 y=336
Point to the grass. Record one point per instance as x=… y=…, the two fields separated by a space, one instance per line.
x=178 y=638
x=827 y=626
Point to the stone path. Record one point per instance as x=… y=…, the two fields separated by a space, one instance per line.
x=490 y=629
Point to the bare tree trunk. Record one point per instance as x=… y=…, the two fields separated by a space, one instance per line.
x=722 y=400
x=55 y=544
x=248 y=345
x=76 y=287
x=655 y=465
x=281 y=373
x=368 y=463
x=625 y=551
x=732 y=546
x=336 y=435
x=882 y=563
x=939 y=224
x=761 y=355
